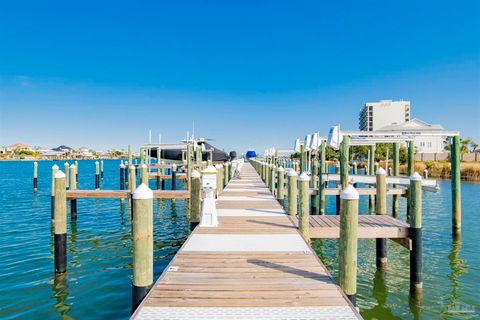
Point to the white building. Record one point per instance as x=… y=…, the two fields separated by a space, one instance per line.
x=375 y=115
x=423 y=144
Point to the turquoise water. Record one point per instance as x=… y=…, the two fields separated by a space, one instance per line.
x=98 y=282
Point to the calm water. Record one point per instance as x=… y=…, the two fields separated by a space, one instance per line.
x=98 y=281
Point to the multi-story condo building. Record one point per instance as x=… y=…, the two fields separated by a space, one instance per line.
x=376 y=115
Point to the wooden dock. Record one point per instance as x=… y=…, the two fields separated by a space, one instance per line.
x=254 y=265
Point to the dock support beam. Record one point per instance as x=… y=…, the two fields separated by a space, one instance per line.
x=371 y=171
x=456 y=191
x=60 y=223
x=304 y=216
x=142 y=235
x=292 y=192
x=347 y=263
x=381 y=209
x=415 y=199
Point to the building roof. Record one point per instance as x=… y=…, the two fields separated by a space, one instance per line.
x=414 y=124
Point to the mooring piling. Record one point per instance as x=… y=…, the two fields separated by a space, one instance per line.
x=174 y=176
x=52 y=198
x=97 y=175
x=396 y=173
x=60 y=223
x=304 y=216
x=122 y=178
x=280 y=185
x=321 y=184
x=292 y=192
x=101 y=169
x=35 y=176
x=73 y=186
x=456 y=193
x=66 y=170
x=144 y=174
x=195 y=199
x=371 y=171
x=142 y=237
x=415 y=200
x=76 y=170
x=381 y=209
x=314 y=184
x=348 y=242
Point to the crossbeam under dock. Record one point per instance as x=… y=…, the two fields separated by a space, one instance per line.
x=254 y=265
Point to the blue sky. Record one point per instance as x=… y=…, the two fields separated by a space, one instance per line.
x=249 y=73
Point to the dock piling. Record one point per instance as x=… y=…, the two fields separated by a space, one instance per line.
x=456 y=191
x=35 y=176
x=280 y=185
x=122 y=178
x=348 y=242
x=415 y=199
x=60 y=223
x=174 y=176
x=97 y=175
x=396 y=173
x=292 y=192
x=321 y=184
x=195 y=202
x=144 y=174
x=142 y=237
x=73 y=186
x=66 y=169
x=304 y=216
x=52 y=197
x=381 y=209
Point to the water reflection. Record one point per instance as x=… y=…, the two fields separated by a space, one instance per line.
x=380 y=294
x=60 y=294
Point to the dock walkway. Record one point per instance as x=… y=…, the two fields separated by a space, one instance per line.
x=254 y=265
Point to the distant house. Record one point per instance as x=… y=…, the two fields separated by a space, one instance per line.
x=18 y=147
x=52 y=154
x=84 y=153
x=423 y=144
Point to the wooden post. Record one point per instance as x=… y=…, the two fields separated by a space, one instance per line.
x=142 y=155
x=52 y=195
x=130 y=155
x=337 y=197
x=163 y=173
x=302 y=158
x=381 y=209
x=122 y=178
x=189 y=162
x=174 y=176
x=73 y=186
x=218 y=167
x=396 y=173
x=355 y=168
x=144 y=174
x=66 y=169
x=35 y=176
x=272 y=178
x=415 y=199
x=411 y=158
x=97 y=175
x=198 y=157
x=371 y=171
x=292 y=192
x=225 y=175
x=60 y=222
x=456 y=191
x=304 y=216
x=195 y=202
x=132 y=181
x=76 y=170
x=425 y=174
x=159 y=179
x=314 y=198
x=344 y=148
x=280 y=185
x=321 y=184
x=142 y=236
x=347 y=264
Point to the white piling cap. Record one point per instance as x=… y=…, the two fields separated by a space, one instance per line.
x=349 y=193
x=35 y=162
x=144 y=166
x=304 y=177
x=72 y=166
x=142 y=192
x=126 y=162
x=219 y=166
x=96 y=162
x=174 y=166
x=195 y=174
x=55 y=167
x=292 y=173
x=132 y=168
x=280 y=169
x=162 y=162
x=122 y=165
x=426 y=170
x=65 y=164
x=209 y=170
x=380 y=170
x=415 y=177
x=59 y=174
